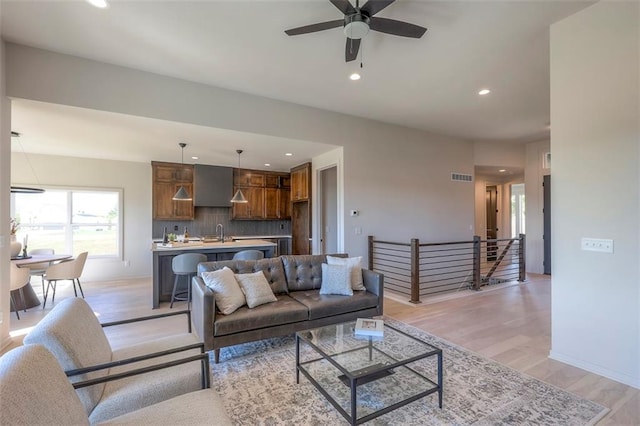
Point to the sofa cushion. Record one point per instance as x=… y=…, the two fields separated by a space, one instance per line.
x=321 y=306
x=73 y=334
x=355 y=270
x=256 y=289
x=284 y=311
x=336 y=280
x=303 y=272
x=132 y=393
x=226 y=290
x=272 y=269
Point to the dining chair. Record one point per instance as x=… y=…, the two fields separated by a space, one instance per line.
x=39 y=269
x=248 y=255
x=66 y=270
x=19 y=278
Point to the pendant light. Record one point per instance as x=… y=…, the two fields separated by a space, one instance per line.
x=238 y=197
x=182 y=194
x=25 y=189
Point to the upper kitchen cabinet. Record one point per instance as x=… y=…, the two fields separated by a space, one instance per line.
x=167 y=179
x=267 y=194
x=301 y=182
x=213 y=186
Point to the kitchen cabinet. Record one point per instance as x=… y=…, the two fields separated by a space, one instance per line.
x=267 y=193
x=301 y=182
x=167 y=178
x=301 y=209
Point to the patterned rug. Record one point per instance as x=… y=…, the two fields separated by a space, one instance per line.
x=257 y=382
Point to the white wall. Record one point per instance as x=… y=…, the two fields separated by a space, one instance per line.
x=399 y=178
x=534 y=202
x=504 y=154
x=595 y=116
x=135 y=181
x=5 y=174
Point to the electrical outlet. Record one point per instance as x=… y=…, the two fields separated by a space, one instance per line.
x=597 y=244
x=358 y=230
x=175 y=227
x=127 y=263
x=282 y=226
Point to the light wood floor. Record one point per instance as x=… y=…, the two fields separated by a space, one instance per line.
x=511 y=325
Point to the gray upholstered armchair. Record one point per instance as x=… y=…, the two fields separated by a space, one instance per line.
x=35 y=391
x=73 y=334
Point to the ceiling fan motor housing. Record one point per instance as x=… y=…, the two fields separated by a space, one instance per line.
x=356 y=26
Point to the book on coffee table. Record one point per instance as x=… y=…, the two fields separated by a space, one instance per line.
x=369 y=327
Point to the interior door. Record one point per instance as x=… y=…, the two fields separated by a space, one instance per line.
x=546 y=213
x=492 y=221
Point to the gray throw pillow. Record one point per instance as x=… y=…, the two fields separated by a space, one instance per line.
x=256 y=289
x=335 y=280
x=355 y=270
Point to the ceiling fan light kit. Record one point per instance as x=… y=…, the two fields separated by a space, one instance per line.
x=358 y=21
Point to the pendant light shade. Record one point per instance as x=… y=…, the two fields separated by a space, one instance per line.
x=182 y=194
x=238 y=197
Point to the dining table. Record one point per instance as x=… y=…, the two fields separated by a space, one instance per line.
x=31 y=299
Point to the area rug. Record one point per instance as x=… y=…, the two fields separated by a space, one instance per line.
x=257 y=383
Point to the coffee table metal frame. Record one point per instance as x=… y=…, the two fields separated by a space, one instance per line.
x=372 y=374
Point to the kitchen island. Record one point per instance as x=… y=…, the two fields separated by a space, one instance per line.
x=163 y=277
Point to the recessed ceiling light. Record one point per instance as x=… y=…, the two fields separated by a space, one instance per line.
x=195 y=158
x=502 y=170
x=355 y=76
x=267 y=165
x=288 y=154
x=484 y=92
x=102 y=4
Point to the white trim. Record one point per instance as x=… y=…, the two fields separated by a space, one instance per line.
x=596 y=369
x=322 y=162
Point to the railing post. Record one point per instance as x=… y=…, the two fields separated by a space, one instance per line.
x=370 y=254
x=522 y=270
x=476 y=262
x=415 y=271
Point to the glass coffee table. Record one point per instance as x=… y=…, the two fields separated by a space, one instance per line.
x=364 y=377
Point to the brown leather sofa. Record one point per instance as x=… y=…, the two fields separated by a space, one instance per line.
x=295 y=281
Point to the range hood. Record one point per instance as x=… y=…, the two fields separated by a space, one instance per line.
x=213 y=186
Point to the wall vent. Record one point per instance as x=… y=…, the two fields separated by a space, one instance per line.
x=461 y=177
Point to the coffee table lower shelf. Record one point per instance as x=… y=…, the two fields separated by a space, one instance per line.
x=382 y=385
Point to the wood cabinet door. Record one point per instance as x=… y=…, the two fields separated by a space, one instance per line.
x=183 y=209
x=183 y=174
x=271 y=203
x=300 y=183
x=244 y=177
x=284 y=204
x=253 y=208
x=162 y=202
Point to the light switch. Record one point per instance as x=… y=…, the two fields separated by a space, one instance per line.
x=597 y=244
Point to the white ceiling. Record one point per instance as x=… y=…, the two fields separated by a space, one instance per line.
x=430 y=83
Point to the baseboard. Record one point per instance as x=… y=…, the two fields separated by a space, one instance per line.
x=597 y=369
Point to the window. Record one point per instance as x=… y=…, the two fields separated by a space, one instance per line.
x=71 y=220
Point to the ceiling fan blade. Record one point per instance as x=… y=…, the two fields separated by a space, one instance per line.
x=374 y=6
x=351 y=51
x=344 y=6
x=315 y=27
x=399 y=28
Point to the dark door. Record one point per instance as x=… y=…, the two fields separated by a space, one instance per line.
x=492 y=221
x=546 y=213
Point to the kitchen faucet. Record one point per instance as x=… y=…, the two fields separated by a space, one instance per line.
x=221 y=232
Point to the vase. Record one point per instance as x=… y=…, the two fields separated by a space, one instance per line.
x=16 y=246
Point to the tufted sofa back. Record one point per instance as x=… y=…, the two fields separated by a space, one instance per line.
x=271 y=267
x=284 y=273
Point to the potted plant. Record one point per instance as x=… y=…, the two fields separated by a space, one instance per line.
x=16 y=246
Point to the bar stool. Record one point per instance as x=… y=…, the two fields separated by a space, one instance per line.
x=248 y=255
x=185 y=265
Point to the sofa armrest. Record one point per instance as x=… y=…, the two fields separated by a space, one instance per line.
x=151 y=317
x=203 y=311
x=374 y=283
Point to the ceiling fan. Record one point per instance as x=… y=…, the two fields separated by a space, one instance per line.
x=358 y=21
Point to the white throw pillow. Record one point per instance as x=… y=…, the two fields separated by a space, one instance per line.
x=226 y=290
x=335 y=280
x=256 y=289
x=355 y=270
